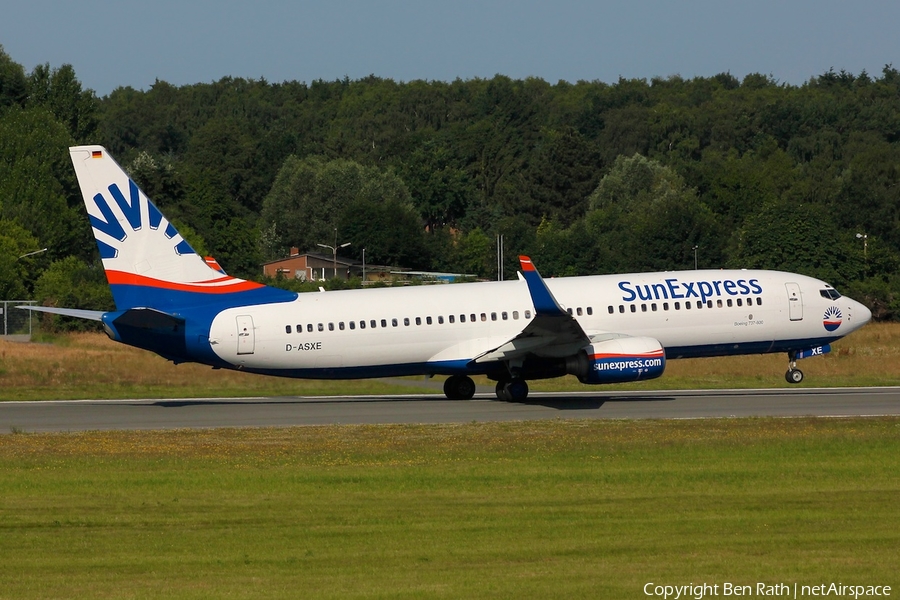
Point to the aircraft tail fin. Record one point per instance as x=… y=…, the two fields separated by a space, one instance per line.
x=147 y=262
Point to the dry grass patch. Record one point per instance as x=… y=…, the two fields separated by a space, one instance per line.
x=89 y=365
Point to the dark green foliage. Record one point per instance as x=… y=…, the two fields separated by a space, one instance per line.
x=72 y=283
x=587 y=177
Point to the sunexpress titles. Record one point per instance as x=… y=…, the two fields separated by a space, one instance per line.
x=673 y=289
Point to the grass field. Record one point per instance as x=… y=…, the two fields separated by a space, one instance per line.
x=555 y=509
x=91 y=366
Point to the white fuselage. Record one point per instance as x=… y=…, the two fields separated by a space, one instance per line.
x=438 y=329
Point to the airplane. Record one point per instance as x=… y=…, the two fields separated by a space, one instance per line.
x=601 y=328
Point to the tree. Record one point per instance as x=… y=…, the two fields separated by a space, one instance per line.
x=72 y=283
x=645 y=212
x=59 y=91
x=13 y=86
x=311 y=195
x=798 y=238
x=37 y=188
x=16 y=274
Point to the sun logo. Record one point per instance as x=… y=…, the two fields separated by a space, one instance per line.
x=136 y=211
x=832 y=319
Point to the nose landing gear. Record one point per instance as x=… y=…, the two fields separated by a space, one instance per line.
x=793 y=375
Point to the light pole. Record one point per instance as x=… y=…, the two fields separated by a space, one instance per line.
x=32 y=253
x=364 y=267
x=334 y=250
x=865 y=238
x=695 y=257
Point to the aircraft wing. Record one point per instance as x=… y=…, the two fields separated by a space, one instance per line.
x=553 y=332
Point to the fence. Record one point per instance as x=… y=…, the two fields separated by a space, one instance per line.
x=16 y=323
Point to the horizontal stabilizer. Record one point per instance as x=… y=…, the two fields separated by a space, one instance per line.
x=93 y=315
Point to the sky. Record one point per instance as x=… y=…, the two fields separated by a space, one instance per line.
x=124 y=43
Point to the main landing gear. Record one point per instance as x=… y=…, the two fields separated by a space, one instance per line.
x=514 y=390
x=793 y=375
x=459 y=387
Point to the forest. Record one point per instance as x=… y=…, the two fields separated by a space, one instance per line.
x=586 y=177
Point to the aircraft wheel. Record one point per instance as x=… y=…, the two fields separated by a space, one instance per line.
x=512 y=391
x=459 y=387
x=794 y=376
x=517 y=390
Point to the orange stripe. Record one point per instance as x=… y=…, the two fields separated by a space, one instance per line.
x=645 y=355
x=239 y=285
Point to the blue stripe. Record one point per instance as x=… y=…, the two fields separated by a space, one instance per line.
x=761 y=347
x=174 y=301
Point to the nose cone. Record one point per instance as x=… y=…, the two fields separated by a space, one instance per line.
x=859 y=314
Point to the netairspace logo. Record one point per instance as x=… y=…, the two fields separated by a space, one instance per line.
x=766 y=590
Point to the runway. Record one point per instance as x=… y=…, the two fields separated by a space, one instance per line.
x=83 y=415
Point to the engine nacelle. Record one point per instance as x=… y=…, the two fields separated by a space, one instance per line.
x=622 y=359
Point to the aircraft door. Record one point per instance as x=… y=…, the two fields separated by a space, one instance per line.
x=246 y=337
x=795 y=301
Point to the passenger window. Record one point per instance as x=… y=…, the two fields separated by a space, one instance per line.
x=569 y=310
x=699 y=304
x=504 y=315
x=687 y=305
x=321 y=327
x=709 y=304
x=759 y=301
x=384 y=323
x=440 y=319
x=740 y=302
x=728 y=302
x=472 y=317
x=611 y=309
x=406 y=321
x=309 y=327
x=590 y=311
x=362 y=324
x=527 y=314
x=331 y=327
x=451 y=318
x=483 y=317
x=287 y=328
x=678 y=306
x=352 y=325
x=373 y=324
x=633 y=308
x=653 y=307
x=393 y=322
x=462 y=318
x=515 y=315
x=341 y=325
x=428 y=320
x=579 y=312
x=418 y=320
x=493 y=316
x=719 y=303
x=665 y=306
x=643 y=308
x=621 y=308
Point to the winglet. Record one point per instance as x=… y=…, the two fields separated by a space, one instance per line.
x=544 y=302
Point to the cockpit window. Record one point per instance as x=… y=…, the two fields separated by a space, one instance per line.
x=831 y=294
